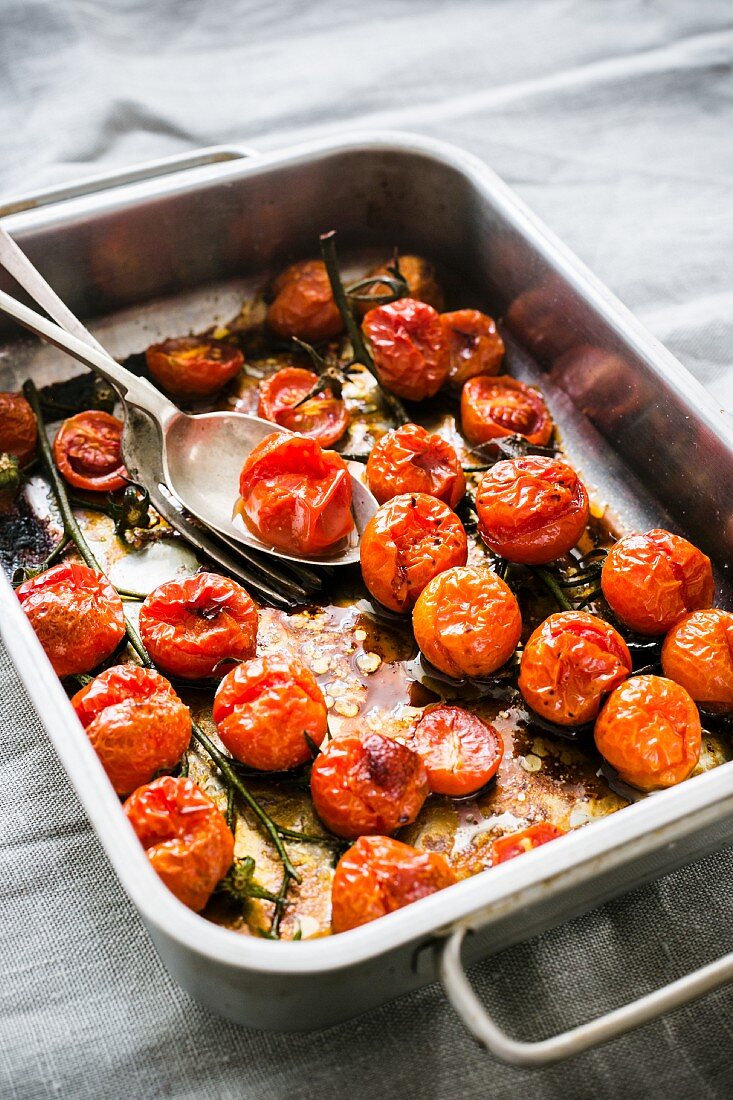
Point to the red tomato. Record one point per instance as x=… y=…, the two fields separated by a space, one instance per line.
x=295 y=495
x=136 y=723
x=492 y=408
x=418 y=273
x=367 y=784
x=467 y=622
x=650 y=581
x=263 y=709
x=304 y=305
x=88 y=452
x=193 y=366
x=185 y=836
x=76 y=614
x=570 y=662
x=406 y=543
x=378 y=875
x=322 y=417
x=17 y=427
x=461 y=753
x=531 y=510
x=475 y=345
x=409 y=347
x=649 y=731
x=413 y=460
x=698 y=654
x=197 y=626
x=516 y=844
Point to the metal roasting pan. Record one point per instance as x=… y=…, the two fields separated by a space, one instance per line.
x=642 y=432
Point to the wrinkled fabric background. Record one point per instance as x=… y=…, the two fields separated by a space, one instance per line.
x=613 y=120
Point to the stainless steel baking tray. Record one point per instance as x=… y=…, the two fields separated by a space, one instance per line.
x=159 y=247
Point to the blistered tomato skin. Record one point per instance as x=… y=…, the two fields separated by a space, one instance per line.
x=378 y=875
x=571 y=661
x=406 y=543
x=492 y=408
x=185 y=835
x=531 y=510
x=460 y=751
x=322 y=417
x=304 y=305
x=88 y=452
x=196 y=627
x=650 y=581
x=411 y=459
x=476 y=348
x=18 y=431
x=76 y=614
x=467 y=622
x=409 y=346
x=698 y=654
x=136 y=723
x=366 y=785
x=649 y=731
x=192 y=366
x=264 y=709
x=422 y=285
x=516 y=844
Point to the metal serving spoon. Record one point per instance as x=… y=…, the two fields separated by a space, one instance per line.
x=203 y=454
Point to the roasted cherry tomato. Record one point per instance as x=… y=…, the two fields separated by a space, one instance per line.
x=407 y=542
x=76 y=614
x=569 y=664
x=413 y=460
x=295 y=495
x=410 y=348
x=185 y=835
x=378 y=875
x=88 y=452
x=475 y=345
x=650 y=581
x=460 y=751
x=136 y=723
x=531 y=510
x=495 y=407
x=323 y=417
x=649 y=731
x=367 y=784
x=17 y=427
x=467 y=622
x=516 y=844
x=197 y=626
x=419 y=274
x=698 y=654
x=193 y=366
x=304 y=305
x=263 y=710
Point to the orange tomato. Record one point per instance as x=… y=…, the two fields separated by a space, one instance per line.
x=516 y=844
x=649 y=731
x=304 y=305
x=492 y=408
x=467 y=622
x=531 y=510
x=322 y=417
x=367 y=784
x=698 y=654
x=476 y=348
x=193 y=366
x=409 y=346
x=88 y=452
x=650 y=581
x=197 y=626
x=17 y=427
x=406 y=543
x=569 y=663
x=418 y=273
x=136 y=723
x=460 y=751
x=378 y=875
x=264 y=708
x=76 y=614
x=185 y=835
x=413 y=460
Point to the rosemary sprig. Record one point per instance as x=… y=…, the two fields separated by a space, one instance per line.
x=552 y=586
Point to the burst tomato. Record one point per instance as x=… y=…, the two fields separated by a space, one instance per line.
x=570 y=662
x=304 y=305
x=136 y=723
x=410 y=348
x=649 y=731
x=76 y=614
x=650 y=581
x=323 y=417
x=698 y=654
x=88 y=452
x=476 y=348
x=406 y=543
x=17 y=427
x=531 y=510
x=193 y=366
x=461 y=753
x=516 y=844
x=185 y=835
x=378 y=875
x=295 y=495
x=467 y=622
x=413 y=460
x=418 y=273
x=197 y=626
x=495 y=407
x=367 y=784
x=264 y=708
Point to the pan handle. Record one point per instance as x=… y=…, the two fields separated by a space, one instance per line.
x=517 y=1052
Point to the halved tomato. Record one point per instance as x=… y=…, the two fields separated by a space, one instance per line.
x=323 y=417
x=88 y=452
x=193 y=366
x=516 y=844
